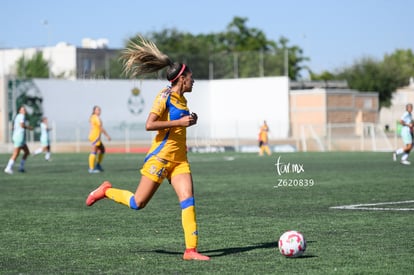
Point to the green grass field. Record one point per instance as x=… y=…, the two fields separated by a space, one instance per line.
x=243 y=206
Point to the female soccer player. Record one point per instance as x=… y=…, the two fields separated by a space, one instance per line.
x=44 y=139
x=98 y=149
x=167 y=157
x=406 y=135
x=19 y=141
x=264 y=139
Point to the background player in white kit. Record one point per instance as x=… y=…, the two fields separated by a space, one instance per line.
x=406 y=135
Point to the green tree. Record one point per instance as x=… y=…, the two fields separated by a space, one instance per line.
x=243 y=49
x=400 y=64
x=370 y=75
x=382 y=76
x=251 y=45
x=239 y=51
x=295 y=58
x=238 y=37
x=37 y=66
x=324 y=76
x=186 y=48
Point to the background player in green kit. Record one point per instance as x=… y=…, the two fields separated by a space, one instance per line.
x=44 y=139
x=19 y=141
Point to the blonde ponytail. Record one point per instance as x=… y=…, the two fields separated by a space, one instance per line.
x=143 y=57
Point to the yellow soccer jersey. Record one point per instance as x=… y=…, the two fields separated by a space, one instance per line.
x=95 y=131
x=263 y=134
x=170 y=144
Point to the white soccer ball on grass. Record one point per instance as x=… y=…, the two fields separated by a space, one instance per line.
x=292 y=244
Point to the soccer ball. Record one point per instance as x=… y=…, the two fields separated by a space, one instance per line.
x=292 y=244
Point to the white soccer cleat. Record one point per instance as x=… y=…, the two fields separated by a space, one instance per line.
x=394 y=156
x=93 y=171
x=405 y=162
x=8 y=171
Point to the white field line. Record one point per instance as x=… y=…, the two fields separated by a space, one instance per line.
x=369 y=206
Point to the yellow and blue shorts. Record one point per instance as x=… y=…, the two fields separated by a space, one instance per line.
x=95 y=141
x=158 y=169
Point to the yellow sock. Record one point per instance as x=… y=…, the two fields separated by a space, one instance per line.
x=121 y=196
x=100 y=157
x=188 y=216
x=92 y=158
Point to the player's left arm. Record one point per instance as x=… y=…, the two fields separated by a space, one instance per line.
x=154 y=124
x=103 y=131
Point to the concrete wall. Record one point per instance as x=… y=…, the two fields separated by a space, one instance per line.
x=227 y=109
x=238 y=107
x=344 y=107
x=319 y=107
x=307 y=107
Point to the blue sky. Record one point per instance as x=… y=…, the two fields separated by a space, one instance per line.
x=333 y=33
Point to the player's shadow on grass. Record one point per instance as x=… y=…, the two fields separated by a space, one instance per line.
x=231 y=250
x=234 y=250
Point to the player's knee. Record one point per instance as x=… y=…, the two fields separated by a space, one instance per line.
x=133 y=204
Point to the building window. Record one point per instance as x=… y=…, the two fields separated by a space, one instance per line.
x=367 y=103
x=86 y=66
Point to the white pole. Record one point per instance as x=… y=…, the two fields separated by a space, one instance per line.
x=127 y=140
x=261 y=67
x=362 y=137
x=286 y=62
x=210 y=70
x=236 y=65
x=54 y=132
x=77 y=133
x=303 y=137
x=46 y=24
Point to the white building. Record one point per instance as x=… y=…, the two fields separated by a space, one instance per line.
x=65 y=60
